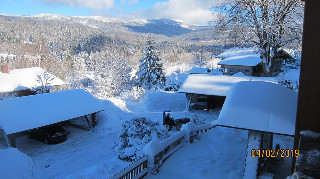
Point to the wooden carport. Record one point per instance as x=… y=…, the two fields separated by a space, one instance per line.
x=215 y=87
x=29 y=112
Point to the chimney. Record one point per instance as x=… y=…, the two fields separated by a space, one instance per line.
x=4 y=69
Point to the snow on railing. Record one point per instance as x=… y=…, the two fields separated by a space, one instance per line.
x=157 y=152
x=137 y=169
x=252 y=161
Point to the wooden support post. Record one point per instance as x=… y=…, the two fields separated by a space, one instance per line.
x=93 y=120
x=308 y=110
x=87 y=121
x=12 y=140
x=7 y=139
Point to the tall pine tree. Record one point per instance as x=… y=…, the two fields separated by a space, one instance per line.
x=150 y=74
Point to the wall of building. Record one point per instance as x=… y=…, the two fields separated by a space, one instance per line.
x=231 y=69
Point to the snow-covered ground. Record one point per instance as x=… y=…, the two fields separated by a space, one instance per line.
x=88 y=153
x=219 y=153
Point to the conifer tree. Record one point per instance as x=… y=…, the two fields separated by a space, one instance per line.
x=150 y=74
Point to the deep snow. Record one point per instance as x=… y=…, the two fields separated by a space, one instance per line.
x=219 y=153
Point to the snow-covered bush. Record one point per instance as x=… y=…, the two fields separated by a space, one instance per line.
x=172 y=86
x=135 y=135
x=7 y=96
x=136 y=93
x=195 y=119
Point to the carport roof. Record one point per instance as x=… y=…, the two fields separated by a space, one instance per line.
x=29 y=112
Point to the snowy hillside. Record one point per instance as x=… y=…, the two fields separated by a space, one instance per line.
x=165 y=27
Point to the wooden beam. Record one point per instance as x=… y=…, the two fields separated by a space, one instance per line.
x=87 y=121
x=308 y=109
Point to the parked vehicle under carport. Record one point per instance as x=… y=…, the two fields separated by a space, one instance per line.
x=48 y=134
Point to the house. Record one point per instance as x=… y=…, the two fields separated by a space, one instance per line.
x=214 y=88
x=30 y=112
x=21 y=81
x=248 y=61
x=263 y=109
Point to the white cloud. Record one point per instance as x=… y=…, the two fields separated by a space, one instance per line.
x=133 y=2
x=94 y=4
x=190 y=11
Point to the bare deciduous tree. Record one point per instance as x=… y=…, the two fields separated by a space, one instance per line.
x=275 y=23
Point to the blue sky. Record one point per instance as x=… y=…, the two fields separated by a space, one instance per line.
x=190 y=11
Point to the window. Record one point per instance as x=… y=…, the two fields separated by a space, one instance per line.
x=239 y=70
x=231 y=70
x=246 y=71
x=226 y=70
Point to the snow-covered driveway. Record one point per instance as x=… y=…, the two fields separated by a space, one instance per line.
x=77 y=153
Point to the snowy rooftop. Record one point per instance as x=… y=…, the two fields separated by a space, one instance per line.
x=21 y=79
x=28 y=112
x=237 y=52
x=260 y=106
x=243 y=60
x=240 y=56
x=217 y=85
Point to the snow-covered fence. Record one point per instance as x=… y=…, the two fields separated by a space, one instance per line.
x=200 y=129
x=252 y=163
x=137 y=169
x=157 y=152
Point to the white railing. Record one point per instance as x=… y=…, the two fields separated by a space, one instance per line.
x=141 y=167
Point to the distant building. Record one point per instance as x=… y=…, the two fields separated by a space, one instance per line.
x=248 y=61
x=21 y=81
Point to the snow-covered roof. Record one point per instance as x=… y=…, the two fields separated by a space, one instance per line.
x=240 y=56
x=21 y=79
x=217 y=85
x=28 y=112
x=260 y=106
x=237 y=52
x=243 y=60
x=198 y=70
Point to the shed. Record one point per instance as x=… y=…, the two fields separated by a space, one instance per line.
x=214 y=87
x=29 y=112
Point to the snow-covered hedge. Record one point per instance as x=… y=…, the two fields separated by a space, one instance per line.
x=195 y=119
x=135 y=134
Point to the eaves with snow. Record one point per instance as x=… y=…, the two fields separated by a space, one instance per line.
x=217 y=85
x=198 y=70
x=21 y=79
x=29 y=112
x=260 y=106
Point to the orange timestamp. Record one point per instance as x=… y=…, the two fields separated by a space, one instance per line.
x=275 y=153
